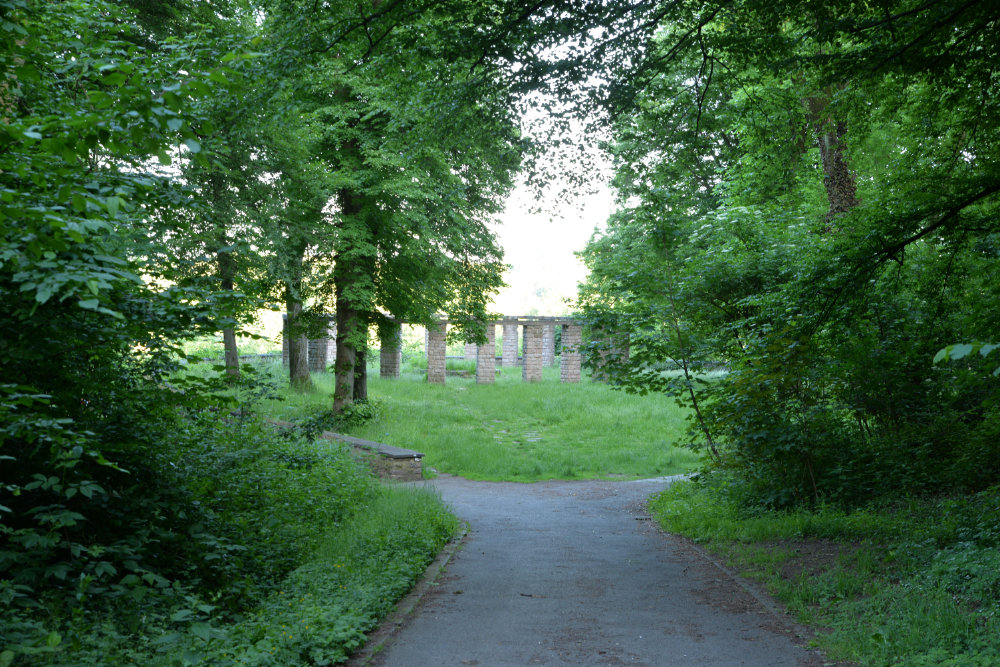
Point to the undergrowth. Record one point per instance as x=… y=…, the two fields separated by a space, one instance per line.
x=210 y=538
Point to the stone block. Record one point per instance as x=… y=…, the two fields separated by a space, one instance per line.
x=436 y=351
x=532 y=369
x=569 y=360
x=486 y=357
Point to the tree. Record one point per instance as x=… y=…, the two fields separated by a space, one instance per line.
x=411 y=195
x=89 y=323
x=807 y=194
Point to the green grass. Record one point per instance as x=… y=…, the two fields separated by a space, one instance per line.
x=516 y=431
x=913 y=584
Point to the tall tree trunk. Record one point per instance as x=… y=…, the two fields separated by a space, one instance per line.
x=840 y=184
x=227 y=271
x=361 y=375
x=343 y=368
x=227 y=274
x=298 y=340
x=345 y=278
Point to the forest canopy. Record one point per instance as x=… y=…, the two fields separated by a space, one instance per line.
x=809 y=199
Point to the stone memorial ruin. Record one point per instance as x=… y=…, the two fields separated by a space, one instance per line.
x=534 y=335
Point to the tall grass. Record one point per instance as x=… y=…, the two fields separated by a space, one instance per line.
x=517 y=431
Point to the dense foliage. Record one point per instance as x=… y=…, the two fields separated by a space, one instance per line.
x=809 y=197
x=144 y=187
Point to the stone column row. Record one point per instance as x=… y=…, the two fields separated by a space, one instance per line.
x=538 y=346
x=614 y=349
x=548 y=345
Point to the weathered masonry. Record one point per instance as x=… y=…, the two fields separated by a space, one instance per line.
x=534 y=336
x=525 y=341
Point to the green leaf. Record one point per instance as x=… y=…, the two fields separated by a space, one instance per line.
x=115 y=79
x=201 y=630
x=193 y=145
x=959 y=351
x=53 y=640
x=175 y=124
x=113 y=204
x=181 y=615
x=89 y=304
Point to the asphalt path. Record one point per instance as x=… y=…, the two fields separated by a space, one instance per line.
x=577 y=573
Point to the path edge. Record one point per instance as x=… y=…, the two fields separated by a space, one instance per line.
x=387 y=627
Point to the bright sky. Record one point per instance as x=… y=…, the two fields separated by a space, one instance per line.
x=539 y=247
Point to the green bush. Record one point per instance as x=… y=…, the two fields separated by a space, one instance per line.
x=320 y=614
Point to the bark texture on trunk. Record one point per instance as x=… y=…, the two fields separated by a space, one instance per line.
x=838 y=181
x=298 y=339
x=353 y=274
x=232 y=352
x=298 y=349
x=347 y=323
x=361 y=375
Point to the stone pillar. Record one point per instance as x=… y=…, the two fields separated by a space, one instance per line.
x=509 y=353
x=548 y=344
x=436 y=350
x=532 y=370
x=471 y=351
x=284 y=340
x=486 y=357
x=569 y=360
x=390 y=336
x=323 y=351
x=316 y=354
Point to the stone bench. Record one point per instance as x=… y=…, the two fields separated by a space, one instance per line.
x=387 y=461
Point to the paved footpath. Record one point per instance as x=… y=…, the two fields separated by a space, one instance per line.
x=576 y=573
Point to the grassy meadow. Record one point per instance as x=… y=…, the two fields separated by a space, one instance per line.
x=516 y=431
